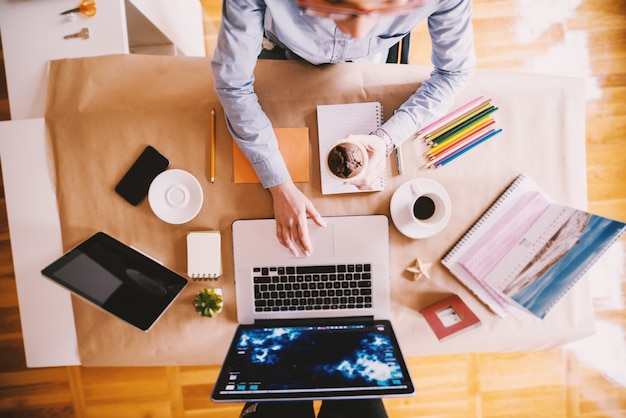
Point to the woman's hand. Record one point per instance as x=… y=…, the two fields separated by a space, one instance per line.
x=291 y=208
x=376 y=151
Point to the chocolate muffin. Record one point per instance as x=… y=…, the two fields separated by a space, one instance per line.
x=347 y=160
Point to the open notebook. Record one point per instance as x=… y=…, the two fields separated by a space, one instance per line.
x=334 y=122
x=525 y=252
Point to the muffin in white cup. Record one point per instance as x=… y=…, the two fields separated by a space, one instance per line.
x=347 y=160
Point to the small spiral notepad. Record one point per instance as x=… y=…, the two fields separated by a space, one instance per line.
x=204 y=256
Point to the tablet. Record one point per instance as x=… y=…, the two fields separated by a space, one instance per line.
x=335 y=358
x=117 y=279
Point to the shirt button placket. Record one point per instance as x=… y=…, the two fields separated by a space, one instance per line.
x=340 y=47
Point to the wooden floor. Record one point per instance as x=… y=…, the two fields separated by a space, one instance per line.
x=585 y=38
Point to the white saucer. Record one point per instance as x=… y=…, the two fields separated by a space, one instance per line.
x=175 y=196
x=402 y=200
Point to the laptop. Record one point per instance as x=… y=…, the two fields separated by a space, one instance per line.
x=313 y=327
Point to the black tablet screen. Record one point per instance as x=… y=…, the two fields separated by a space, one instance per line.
x=118 y=279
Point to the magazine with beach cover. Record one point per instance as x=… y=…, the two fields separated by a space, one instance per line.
x=526 y=251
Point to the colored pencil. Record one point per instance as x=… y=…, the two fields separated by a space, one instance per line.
x=448 y=118
x=459 y=131
x=462 y=144
x=461 y=124
x=458 y=113
x=461 y=136
x=463 y=151
x=444 y=161
x=433 y=137
x=435 y=159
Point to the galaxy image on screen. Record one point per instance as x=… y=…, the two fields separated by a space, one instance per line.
x=314 y=358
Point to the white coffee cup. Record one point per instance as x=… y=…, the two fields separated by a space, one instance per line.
x=420 y=208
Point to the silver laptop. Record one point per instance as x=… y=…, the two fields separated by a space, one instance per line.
x=313 y=327
x=347 y=274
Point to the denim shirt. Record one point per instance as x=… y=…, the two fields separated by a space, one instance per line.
x=318 y=40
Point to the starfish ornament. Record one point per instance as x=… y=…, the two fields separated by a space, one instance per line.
x=419 y=270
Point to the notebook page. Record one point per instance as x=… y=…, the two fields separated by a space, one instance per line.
x=204 y=259
x=334 y=122
x=496 y=211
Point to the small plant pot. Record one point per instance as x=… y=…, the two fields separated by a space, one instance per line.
x=209 y=302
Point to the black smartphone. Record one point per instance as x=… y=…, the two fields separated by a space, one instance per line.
x=135 y=184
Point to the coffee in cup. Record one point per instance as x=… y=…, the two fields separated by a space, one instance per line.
x=420 y=208
x=424 y=208
x=427 y=206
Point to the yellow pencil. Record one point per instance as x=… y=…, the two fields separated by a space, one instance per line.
x=431 y=138
x=451 y=117
x=460 y=136
x=460 y=144
x=212 y=145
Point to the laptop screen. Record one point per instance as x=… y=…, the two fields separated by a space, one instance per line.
x=315 y=360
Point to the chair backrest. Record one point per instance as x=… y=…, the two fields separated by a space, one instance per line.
x=399 y=53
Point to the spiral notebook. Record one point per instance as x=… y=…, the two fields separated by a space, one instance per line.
x=525 y=252
x=336 y=121
x=204 y=257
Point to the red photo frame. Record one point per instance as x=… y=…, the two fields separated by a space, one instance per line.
x=449 y=316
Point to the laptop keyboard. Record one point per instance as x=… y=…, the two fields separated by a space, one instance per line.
x=300 y=288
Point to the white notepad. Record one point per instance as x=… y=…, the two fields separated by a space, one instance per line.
x=204 y=257
x=334 y=122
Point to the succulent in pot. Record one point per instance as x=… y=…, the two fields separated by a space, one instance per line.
x=209 y=302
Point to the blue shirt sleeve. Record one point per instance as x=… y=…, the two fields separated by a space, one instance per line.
x=238 y=45
x=454 y=60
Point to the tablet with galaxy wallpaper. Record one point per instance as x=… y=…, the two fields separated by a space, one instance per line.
x=313 y=359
